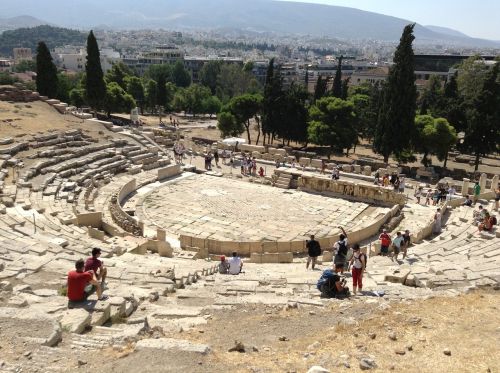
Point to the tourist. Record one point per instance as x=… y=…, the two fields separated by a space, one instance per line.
x=216 y=158
x=428 y=197
x=477 y=191
x=96 y=266
x=235 y=264
x=224 y=156
x=486 y=224
x=478 y=215
x=436 y=196
x=332 y=285
x=406 y=243
x=402 y=185
x=385 y=242
x=385 y=181
x=437 y=221
x=335 y=173
x=277 y=164
x=418 y=194
x=397 y=244
x=261 y=171
x=323 y=166
x=497 y=197
x=341 y=248
x=223 y=266
x=451 y=193
x=468 y=201
x=82 y=284
x=358 y=265
x=395 y=183
x=254 y=166
x=313 y=251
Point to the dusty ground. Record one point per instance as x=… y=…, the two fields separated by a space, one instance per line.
x=335 y=337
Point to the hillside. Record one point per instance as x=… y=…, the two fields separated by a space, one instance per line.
x=29 y=38
x=256 y=15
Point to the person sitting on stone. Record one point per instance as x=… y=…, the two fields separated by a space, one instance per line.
x=486 y=225
x=223 y=266
x=479 y=214
x=468 y=201
x=82 y=284
x=235 y=264
x=96 y=266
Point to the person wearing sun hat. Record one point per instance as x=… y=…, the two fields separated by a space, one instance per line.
x=223 y=265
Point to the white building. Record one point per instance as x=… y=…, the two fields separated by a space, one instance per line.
x=73 y=58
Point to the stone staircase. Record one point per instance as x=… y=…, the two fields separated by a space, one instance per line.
x=284 y=180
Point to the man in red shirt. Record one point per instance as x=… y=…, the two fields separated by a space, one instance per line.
x=385 y=242
x=82 y=284
x=95 y=265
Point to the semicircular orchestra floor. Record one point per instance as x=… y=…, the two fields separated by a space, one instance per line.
x=227 y=209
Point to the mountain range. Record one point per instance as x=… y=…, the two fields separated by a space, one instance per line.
x=280 y=17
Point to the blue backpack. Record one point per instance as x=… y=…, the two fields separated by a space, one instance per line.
x=325 y=276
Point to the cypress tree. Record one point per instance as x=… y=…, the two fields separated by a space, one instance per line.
x=272 y=102
x=162 y=91
x=337 y=81
x=46 y=72
x=482 y=135
x=320 y=89
x=95 y=88
x=396 y=123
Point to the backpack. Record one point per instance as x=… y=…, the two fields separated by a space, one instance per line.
x=342 y=248
x=366 y=259
x=325 y=276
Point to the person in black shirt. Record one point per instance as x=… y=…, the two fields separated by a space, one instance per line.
x=313 y=250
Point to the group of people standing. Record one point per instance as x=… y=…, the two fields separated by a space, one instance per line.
x=356 y=263
x=398 y=183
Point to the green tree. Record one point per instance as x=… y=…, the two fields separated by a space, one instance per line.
x=337 y=81
x=195 y=95
x=228 y=125
x=432 y=99
x=179 y=102
x=209 y=74
x=332 y=123
x=244 y=108
x=25 y=65
x=117 y=100
x=453 y=105
x=161 y=98
x=211 y=105
x=64 y=85
x=6 y=78
x=151 y=94
x=136 y=89
x=118 y=74
x=95 y=88
x=155 y=71
x=482 y=135
x=320 y=88
x=434 y=136
x=272 y=102
x=295 y=115
x=170 y=90
x=180 y=76
x=77 y=97
x=46 y=72
x=396 y=122
x=233 y=81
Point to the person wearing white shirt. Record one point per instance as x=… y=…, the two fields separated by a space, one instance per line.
x=235 y=264
x=396 y=245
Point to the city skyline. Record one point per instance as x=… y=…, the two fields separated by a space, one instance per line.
x=464 y=16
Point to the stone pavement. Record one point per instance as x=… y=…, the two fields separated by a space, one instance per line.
x=219 y=208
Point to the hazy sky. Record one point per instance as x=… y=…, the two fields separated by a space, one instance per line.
x=475 y=18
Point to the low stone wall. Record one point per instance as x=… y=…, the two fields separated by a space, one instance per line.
x=169 y=171
x=267 y=251
x=120 y=217
x=350 y=190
